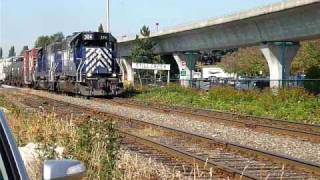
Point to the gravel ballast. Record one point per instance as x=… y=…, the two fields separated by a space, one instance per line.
x=289 y=146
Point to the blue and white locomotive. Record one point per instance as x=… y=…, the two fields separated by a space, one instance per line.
x=84 y=63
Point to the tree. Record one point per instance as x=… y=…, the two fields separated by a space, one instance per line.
x=145 y=31
x=247 y=62
x=12 y=52
x=25 y=48
x=313 y=86
x=308 y=57
x=307 y=62
x=44 y=41
x=1 y=53
x=100 y=29
x=57 y=37
x=142 y=51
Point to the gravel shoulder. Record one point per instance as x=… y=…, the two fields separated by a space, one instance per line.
x=275 y=143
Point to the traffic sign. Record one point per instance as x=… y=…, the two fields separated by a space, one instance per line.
x=183 y=73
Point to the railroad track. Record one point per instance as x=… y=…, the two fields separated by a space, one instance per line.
x=241 y=161
x=299 y=130
x=238 y=162
x=181 y=168
x=307 y=132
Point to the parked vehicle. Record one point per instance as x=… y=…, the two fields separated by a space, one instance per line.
x=12 y=166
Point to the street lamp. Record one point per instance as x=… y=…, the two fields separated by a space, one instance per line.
x=108 y=16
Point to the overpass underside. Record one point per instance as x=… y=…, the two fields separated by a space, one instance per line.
x=278 y=29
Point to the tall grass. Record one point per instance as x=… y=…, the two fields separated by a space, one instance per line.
x=288 y=104
x=94 y=142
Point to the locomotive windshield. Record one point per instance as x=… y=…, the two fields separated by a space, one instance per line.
x=94 y=43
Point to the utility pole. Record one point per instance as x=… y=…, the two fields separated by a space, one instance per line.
x=108 y=16
x=157 y=26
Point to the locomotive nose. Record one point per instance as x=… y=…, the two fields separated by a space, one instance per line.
x=98 y=60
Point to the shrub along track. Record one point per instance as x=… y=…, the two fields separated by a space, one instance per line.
x=306 y=132
x=227 y=159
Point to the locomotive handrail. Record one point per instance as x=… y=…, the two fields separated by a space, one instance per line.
x=79 y=70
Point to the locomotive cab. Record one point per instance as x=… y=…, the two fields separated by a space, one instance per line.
x=97 y=71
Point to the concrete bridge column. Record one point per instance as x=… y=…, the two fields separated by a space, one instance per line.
x=186 y=63
x=126 y=71
x=279 y=56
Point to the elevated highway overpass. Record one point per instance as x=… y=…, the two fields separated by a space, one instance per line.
x=278 y=28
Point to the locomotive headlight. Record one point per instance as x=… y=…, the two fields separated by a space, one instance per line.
x=114 y=75
x=89 y=75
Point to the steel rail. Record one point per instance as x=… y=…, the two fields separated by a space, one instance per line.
x=275 y=157
x=189 y=157
x=312 y=132
x=297 y=164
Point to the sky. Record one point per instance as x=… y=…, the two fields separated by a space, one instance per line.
x=22 y=21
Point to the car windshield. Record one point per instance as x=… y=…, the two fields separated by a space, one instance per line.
x=3 y=173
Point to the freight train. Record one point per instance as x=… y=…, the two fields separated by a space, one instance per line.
x=84 y=63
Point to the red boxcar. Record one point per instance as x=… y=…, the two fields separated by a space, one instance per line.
x=29 y=63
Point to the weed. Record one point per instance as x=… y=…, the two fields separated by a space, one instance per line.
x=102 y=136
x=289 y=104
x=96 y=142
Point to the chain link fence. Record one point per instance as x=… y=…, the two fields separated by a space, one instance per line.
x=311 y=85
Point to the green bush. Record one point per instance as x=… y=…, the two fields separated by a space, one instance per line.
x=313 y=86
x=288 y=104
x=94 y=136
